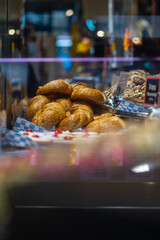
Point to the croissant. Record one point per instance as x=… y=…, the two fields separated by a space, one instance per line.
x=106 y=124
x=105 y=115
x=50 y=115
x=55 y=87
x=79 y=84
x=81 y=115
x=66 y=103
x=35 y=105
x=83 y=93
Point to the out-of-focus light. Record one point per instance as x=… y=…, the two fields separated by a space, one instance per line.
x=141 y=168
x=90 y=25
x=64 y=41
x=69 y=12
x=151 y=183
x=11 y=31
x=100 y=33
x=18 y=32
x=137 y=41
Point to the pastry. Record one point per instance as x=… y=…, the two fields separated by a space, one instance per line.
x=92 y=96
x=81 y=115
x=79 y=84
x=35 y=105
x=106 y=124
x=66 y=103
x=55 y=87
x=105 y=115
x=135 y=88
x=50 y=115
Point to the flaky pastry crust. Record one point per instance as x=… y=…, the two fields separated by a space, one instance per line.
x=92 y=96
x=55 y=87
x=106 y=124
x=66 y=103
x=81 y=115
x=35 y=105
x=50 y=115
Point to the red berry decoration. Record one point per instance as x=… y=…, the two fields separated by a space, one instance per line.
x=86 y=133
x=68 y=138
x=55 y=135
x=59 y=131
x=29 y=130
x=25 y=133
x=36 y=136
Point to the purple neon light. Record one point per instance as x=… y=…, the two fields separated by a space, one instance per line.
x=92 y=59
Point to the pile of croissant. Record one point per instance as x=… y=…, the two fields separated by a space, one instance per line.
x=71 y=106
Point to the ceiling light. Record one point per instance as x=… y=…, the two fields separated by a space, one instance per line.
x=69 y=12
x=100 y=33
x=18 y=32
x=11 y=31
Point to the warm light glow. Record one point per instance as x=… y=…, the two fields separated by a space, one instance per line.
x=11 y=31
x=69 y=12
x=18 y=32
x=100 y=33
x=137 y=41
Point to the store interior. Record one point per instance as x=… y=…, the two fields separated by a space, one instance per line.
x=79 y=119
x=80 y=29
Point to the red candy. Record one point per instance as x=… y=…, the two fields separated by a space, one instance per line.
x=86 y=133
x=59 y=131
x=25 y=133
x=36 y=136
x=68 y=138
x=55 y=135
x=29 y=130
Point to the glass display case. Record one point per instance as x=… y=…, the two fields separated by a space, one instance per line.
x=76 y=182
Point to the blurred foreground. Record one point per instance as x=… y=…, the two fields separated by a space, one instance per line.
x=113 y=171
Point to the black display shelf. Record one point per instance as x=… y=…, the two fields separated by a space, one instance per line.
x=58 y=210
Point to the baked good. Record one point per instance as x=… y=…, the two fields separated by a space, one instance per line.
x=106 y=124
x=50 y=115
x=66 y=103
x=79 y=84
x=81 y=115
x=105 y=115
x=35 y=105
x=55 y=87
x=135 y=88
x=92 y=96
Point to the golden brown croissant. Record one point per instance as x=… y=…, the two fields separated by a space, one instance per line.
x=66 y=103
x=50 y=115
x=55 y=87
x=104 y=115
x=83 y=93
x=35 y=105
x=79 y=84
x=81 y=115
x=106 y=124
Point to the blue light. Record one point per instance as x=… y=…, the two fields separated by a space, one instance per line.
x=33 y=17
x=64 y=43
x=90 y=25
